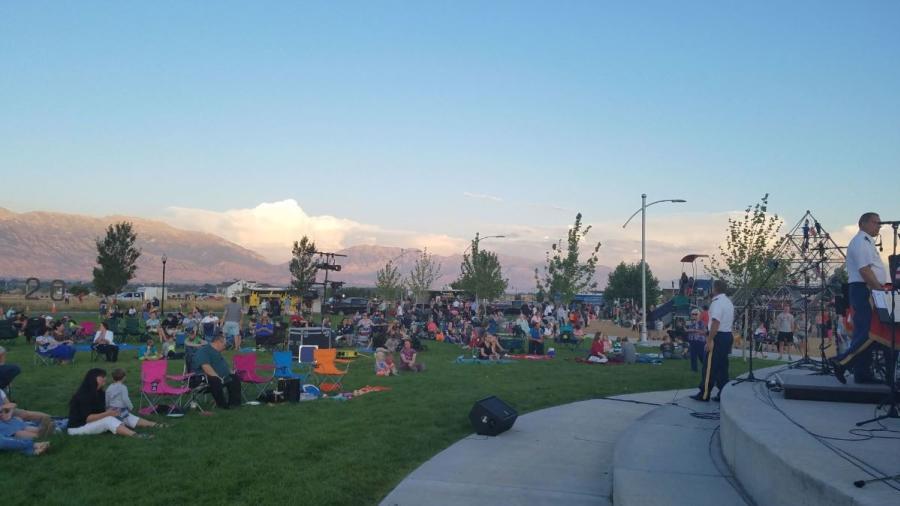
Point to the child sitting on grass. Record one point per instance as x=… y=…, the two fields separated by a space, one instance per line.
x=384 y=363
x=117 y=399
x=149 y=352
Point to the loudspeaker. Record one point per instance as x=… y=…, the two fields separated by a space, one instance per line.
x=491 y=416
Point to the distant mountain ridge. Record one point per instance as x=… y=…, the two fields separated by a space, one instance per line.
x=60 y=245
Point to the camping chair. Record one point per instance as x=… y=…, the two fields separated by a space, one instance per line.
x=155 y=386
x=245 y=367
x=42 y=358
x=209 y=331
x=284 y=366
x=327 y=371
x=35 y=326
x=7 y=331
x=133 y=328
x=87 y=330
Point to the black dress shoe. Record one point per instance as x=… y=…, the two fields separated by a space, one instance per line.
x=838 y=371
x=699 y=397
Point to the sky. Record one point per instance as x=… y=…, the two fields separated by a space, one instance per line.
x=421 y=123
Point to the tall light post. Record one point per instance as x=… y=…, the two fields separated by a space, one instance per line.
x=162 y=301
x=643 y=211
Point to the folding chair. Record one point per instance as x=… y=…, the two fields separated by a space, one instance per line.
x=245 y=367
x=87 y=330
x=7 y=331
x=42 y=358
x=327 y=372
x=209 y=331
x=133 y=328
x=307 y=356
x=284 y=366
x=155 y=386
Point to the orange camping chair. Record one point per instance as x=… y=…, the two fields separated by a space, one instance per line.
x=327 y=371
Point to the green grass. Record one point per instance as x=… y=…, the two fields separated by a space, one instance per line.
x=318 y=452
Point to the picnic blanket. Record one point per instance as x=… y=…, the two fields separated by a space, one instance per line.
x=122 y=347
x=530 y=357
x=463 y=360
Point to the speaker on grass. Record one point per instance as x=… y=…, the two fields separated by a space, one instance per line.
x=491 y=416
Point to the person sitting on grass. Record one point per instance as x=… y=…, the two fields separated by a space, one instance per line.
x=536 y=340
x=104 y=342
x=149 y=352
x=117 y=398
x=88 y=414
x=408 y=358
x=490 y=348
x=384 y=363
x=53 y=344
x=667 y=348
x=16 y=435
x=598 y=349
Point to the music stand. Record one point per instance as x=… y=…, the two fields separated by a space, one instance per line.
x=891 y=401
x=750 y=378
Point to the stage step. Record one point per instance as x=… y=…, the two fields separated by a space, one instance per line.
x=669 y=457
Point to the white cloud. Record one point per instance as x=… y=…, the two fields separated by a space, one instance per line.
x=271 y=227
x=483 y=196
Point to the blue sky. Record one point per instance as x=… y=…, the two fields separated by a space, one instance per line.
x=387 y=114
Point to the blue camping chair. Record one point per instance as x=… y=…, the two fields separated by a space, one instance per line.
x=284 y=366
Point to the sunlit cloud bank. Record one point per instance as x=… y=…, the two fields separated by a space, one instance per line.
x=270 y=229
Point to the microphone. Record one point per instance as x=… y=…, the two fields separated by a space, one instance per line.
x=892 y=223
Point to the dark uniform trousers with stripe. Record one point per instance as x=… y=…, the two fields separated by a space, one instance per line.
x=715 y=367
x=859 y=354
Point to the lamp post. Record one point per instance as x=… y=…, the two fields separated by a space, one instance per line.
x=162 y=301
x=643 y=211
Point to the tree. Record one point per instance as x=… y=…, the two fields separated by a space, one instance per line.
x=480 y=274
x=625 y=283
x=388 y=282
x=303 y=265
x=79 y=290
x=744 y=261
x=116 y=259
x=565 y=275
x=423 y=274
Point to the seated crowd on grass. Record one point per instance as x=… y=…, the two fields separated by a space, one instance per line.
x=102 y=404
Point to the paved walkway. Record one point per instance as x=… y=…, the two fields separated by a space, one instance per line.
x=559 y=455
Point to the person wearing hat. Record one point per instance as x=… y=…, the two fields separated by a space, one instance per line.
x=696 y=338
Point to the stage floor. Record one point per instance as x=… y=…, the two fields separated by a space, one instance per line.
x=787 y=451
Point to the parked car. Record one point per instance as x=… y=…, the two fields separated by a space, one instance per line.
x=348 y=305
x=132 y=296
x=507 y=307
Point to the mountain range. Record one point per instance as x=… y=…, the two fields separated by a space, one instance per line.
x=63 y=246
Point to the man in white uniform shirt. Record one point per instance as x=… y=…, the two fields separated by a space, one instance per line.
x=866 y=272
x=718 y=343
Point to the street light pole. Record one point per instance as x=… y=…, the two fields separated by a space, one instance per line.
x=162 y=301
x=643 y=211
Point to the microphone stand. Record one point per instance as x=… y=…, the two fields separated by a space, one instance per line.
x=891 y=401
x=750 y=378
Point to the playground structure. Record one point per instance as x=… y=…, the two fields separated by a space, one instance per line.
x=806 y=264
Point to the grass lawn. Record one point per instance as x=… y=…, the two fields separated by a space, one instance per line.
x=317 y=452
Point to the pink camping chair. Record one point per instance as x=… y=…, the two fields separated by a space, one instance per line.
x=155 y=387
x=245 y=367
x=88 y=329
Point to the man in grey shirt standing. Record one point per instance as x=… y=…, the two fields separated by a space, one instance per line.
x=233 y=319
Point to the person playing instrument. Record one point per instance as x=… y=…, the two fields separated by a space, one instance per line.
x=866 y=273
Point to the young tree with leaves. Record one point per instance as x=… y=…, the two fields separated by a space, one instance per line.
x=423 y=274
x=565 y=275
x=303 y=265
x=625 y=283
x=480 y=274
x=116 y=259
x=744 y=261
x=388 y=282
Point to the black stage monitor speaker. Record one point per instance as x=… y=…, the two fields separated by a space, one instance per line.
x=491 y=416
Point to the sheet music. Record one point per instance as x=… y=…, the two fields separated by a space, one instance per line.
x=882 y=302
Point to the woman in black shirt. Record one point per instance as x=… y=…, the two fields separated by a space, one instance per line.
x=87 y=409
